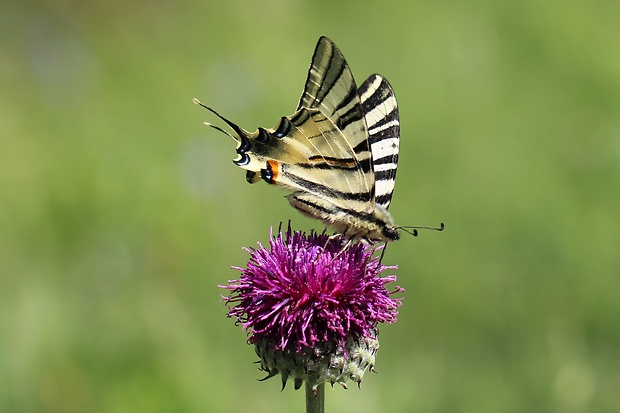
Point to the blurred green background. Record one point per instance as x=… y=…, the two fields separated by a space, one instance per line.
x=120 y=213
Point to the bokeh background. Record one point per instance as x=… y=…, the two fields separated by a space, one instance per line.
x=120 y=212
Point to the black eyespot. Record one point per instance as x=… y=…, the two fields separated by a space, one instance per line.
x=245 y=145
x=267 y=174
x=244 y=159
x=249 y=176
x=263 y=136
x=283 y=128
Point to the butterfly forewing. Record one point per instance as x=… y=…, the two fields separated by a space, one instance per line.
x=330 y=87
x=381 y=114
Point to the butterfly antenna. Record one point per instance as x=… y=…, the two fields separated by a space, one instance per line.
x=414 y=230
x=232 y=125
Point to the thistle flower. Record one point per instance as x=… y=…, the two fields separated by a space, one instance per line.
x=311 y=305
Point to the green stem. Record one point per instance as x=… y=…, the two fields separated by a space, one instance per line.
x=315 y=403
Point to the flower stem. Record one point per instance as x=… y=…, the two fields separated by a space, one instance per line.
x=315 y=403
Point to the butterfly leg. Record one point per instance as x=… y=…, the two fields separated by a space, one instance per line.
x=383 y=252
x=334 y=238
x=346 y=246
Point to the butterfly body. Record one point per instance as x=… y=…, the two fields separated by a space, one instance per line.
x=375 y=226
x=337 y=153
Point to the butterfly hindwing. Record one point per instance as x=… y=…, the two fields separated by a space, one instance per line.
x=332 y=168
x=316 y=158
x=330 y=87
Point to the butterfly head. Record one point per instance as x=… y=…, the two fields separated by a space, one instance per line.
x=390 y=233
x=379 y=226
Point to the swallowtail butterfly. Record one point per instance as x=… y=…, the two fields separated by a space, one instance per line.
x=338 y=152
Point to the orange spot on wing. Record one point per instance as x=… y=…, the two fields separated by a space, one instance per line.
x=275 y=170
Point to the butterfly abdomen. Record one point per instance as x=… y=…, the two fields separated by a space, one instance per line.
x=374 y=226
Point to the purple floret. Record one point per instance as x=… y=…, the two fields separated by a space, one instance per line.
x=306 y=289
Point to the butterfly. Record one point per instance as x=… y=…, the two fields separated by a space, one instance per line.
x=338 y=153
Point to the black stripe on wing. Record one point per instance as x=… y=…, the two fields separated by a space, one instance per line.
x=317 y=188
x=327 y=69
x=336 y=163
x=381 y=115
x=330 y=87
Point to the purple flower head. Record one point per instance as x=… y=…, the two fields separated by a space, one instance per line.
x=313 y=295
